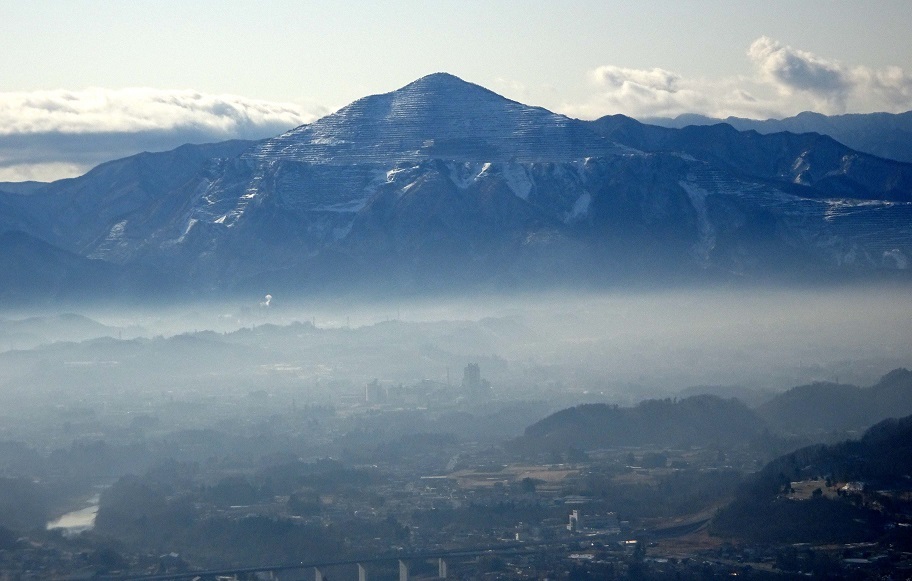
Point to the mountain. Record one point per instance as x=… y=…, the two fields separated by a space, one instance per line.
x=30 y=332
x=767 y=508
x=85 y=214
x=109 y=218
x=443 y=186
x=32 y=271
x=703 y=420
x=832 y=407
x=887 y=135
x=709 y=420
x=826 y=168
x=437 y=117
x=22 y=188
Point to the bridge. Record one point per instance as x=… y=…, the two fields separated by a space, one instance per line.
x=404 y=560
x=318 y=568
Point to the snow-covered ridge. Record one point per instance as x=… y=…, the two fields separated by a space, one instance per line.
x=874 y=232
x=438 y=117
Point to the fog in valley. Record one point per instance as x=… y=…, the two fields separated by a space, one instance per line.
x=553 y=347
x=269 y=430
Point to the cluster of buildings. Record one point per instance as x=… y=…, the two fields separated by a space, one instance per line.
x=473 y=388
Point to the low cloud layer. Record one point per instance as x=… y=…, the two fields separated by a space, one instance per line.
x=785 y=81
x=52 y=134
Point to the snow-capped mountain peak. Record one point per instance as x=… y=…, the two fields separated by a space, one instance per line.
x=443 y=183
x=438 y=117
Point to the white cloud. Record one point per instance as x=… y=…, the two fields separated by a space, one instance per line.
x=618 y=77
x=785 y=82
x=129 y=110
x=837 y=88
x=41 y=172
x=53 y=134
x=791 y=69
x=660 y=93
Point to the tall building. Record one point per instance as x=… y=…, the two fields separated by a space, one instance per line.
x=473 y=384
x=374 y=392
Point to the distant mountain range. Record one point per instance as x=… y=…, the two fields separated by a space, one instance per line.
x=443 y=186
x=30 y=332
x=887 y=135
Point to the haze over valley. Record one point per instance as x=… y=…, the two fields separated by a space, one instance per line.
x=647 y=317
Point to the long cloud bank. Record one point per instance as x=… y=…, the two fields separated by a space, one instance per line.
x=51 y=134
x=784 y=81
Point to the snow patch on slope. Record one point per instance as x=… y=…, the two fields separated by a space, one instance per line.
x=115 y=246
x=514 y=175
x=706 y=231
x=517 y=178
x=581 y=206
x=466 y=174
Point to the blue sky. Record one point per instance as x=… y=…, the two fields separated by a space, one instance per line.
x=207 y=70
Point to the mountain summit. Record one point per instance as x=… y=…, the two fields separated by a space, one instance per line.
x=439 y=116
x=443 y=184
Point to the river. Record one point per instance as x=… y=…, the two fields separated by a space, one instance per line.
x=78 y=520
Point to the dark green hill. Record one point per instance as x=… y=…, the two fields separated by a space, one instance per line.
x=703 y=420
x=879 y=465
x=828 y=407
